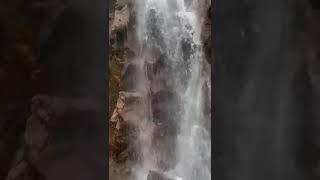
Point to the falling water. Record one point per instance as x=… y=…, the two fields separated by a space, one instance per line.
x=174 y=76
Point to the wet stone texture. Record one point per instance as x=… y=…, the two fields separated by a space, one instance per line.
x=156 y=176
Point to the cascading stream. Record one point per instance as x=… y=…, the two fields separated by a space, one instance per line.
x=175 y=74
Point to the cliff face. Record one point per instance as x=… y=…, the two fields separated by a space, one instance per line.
x=126 y=104
x=120 y=133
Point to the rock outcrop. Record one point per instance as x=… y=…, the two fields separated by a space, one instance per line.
x=125 y=105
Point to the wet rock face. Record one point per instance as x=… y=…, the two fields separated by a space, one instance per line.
x=206 y=35
x=165 y=107
x=187 y=48
x=188 y=3
x=130 y=109
x=154 y=35
x=159 y=71
x=119 y=27
x=164 y=147
x=162 y=65
x=207 y=106
x=165 y=111
x=123 y=120
x=128 y=78
x=156 y=176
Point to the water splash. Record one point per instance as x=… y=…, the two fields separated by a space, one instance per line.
x=169 y=35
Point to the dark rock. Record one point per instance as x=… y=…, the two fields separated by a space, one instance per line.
x=207 y=99
x=120 y=37
x=149 y=71
x=188 y=3
x=153 y=175
x=154 y=25
x=206 y=35
x=165 y=147
x=128 y=77
x=165 y=107
x=165 y=110
x=159 y=70
x=187 y=48
x=162 y=65
x=129 y=54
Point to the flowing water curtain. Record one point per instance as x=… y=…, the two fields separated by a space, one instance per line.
x=171 y=51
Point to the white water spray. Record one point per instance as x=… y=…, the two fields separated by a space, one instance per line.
x=172 y=28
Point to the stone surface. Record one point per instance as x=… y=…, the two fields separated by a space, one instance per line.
x=153 y=175
x=129 y=110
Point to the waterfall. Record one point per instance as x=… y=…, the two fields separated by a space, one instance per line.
x=175 y=137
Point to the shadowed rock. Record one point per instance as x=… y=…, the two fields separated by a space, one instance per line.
x=128 y=78
x=165 y=107
x=187 y=48
x=154 y=34
x=153 y=175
